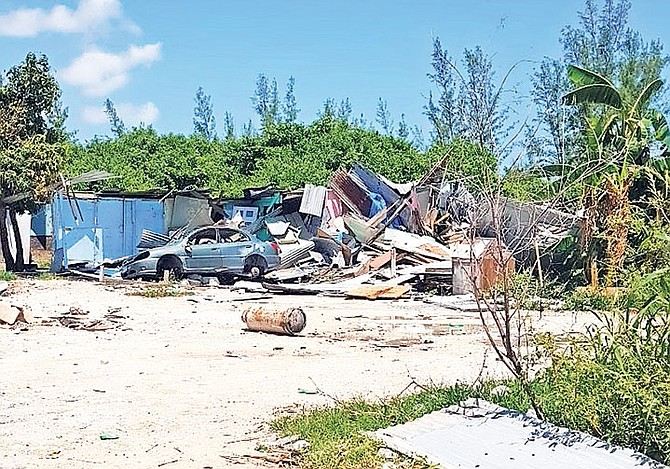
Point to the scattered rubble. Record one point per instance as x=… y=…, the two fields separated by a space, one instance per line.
x=12 y=314
x=363 y=236
x=78 y=319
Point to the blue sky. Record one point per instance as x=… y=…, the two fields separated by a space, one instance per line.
x=149 y=57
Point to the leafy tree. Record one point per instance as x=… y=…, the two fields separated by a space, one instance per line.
x=248 y=129
x=115 y=122
x=229 y=125
x=559 y=125
x=618 y=141
x=604 y=43
x=443 y=110
x=31 y=144
x=417 y=138
x=468 y=161
x=329 y=109
x=266 y=100
x=144 y=160
x=344 y=110
x=204 y=122
x=403 y=130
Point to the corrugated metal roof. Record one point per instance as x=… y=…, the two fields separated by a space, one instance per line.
x=150 y=239
x=351 y=194
x=312 y=200
x=483 y=435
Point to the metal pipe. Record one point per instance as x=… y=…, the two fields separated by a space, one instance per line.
x=288 y=322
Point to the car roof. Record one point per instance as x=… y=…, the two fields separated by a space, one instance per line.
x=220 y=227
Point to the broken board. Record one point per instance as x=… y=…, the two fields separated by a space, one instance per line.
x=379 y=292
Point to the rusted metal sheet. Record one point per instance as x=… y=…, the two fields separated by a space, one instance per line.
x=351 y=194
x=288 y=322
x=483 y=271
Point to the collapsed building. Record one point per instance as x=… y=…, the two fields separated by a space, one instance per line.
x=360 y=231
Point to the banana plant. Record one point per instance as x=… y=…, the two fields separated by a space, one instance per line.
x=618 y=133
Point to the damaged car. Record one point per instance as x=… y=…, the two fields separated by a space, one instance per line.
x=212 y=250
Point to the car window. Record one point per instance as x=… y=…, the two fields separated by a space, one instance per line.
x=207 y=236
x=232 y=236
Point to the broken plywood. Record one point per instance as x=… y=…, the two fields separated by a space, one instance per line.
x=480 y=434
x=11 y=314
x=379 y=292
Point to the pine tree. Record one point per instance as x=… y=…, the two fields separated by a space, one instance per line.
x=115 y=122
x=204 y=123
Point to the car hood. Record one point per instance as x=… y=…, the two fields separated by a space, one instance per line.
x=156 y=252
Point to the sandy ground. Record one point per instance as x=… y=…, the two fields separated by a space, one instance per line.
x=181 y=383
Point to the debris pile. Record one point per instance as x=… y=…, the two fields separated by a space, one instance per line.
x=364 y=236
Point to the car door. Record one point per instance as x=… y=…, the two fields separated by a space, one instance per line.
x=203 y=252
x=235 y=247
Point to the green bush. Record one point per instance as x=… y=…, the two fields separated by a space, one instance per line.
x=586 y=299
x=616 y=383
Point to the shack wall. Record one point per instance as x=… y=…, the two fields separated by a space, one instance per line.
x=94 y=229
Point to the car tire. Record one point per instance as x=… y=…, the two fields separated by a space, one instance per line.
x=169 y=264
x=256 y=266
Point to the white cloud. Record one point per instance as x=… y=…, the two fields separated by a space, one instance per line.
x=99 y=73
x=89 y=14
x=94 y=115
x=133 y=114
x=130 y=114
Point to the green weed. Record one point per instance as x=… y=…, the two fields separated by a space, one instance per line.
x=7 y=276
x=337 y=435
x=162 y=290
x=47 y=276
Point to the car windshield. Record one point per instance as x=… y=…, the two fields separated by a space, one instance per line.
x=232 y=236
x=207 y=236
x=179 y=236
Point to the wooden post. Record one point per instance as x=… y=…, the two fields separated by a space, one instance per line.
x=539 y=263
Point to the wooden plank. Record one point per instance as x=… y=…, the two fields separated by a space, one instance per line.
x=8 y=314
x=378 y=262
x=381 y=292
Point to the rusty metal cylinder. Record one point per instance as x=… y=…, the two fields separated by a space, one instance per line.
x=289 y=322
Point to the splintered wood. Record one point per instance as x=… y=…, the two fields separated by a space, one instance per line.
x=379 y=292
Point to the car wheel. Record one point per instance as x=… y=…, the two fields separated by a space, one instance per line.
x=256 y=266
x=170 y=266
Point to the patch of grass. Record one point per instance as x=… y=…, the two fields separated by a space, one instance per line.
x=587 y=299
x=162 y=290
x=43 y=263
x=46 y=276
x=580 y=391
x=337 y=434
x=7 y=276
x=619 y=394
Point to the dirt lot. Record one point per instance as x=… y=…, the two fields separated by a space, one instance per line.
x=181 y=383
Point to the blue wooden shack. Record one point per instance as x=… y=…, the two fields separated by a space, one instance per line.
x=94 y=227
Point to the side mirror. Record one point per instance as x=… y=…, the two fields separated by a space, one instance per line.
x=188 y=249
